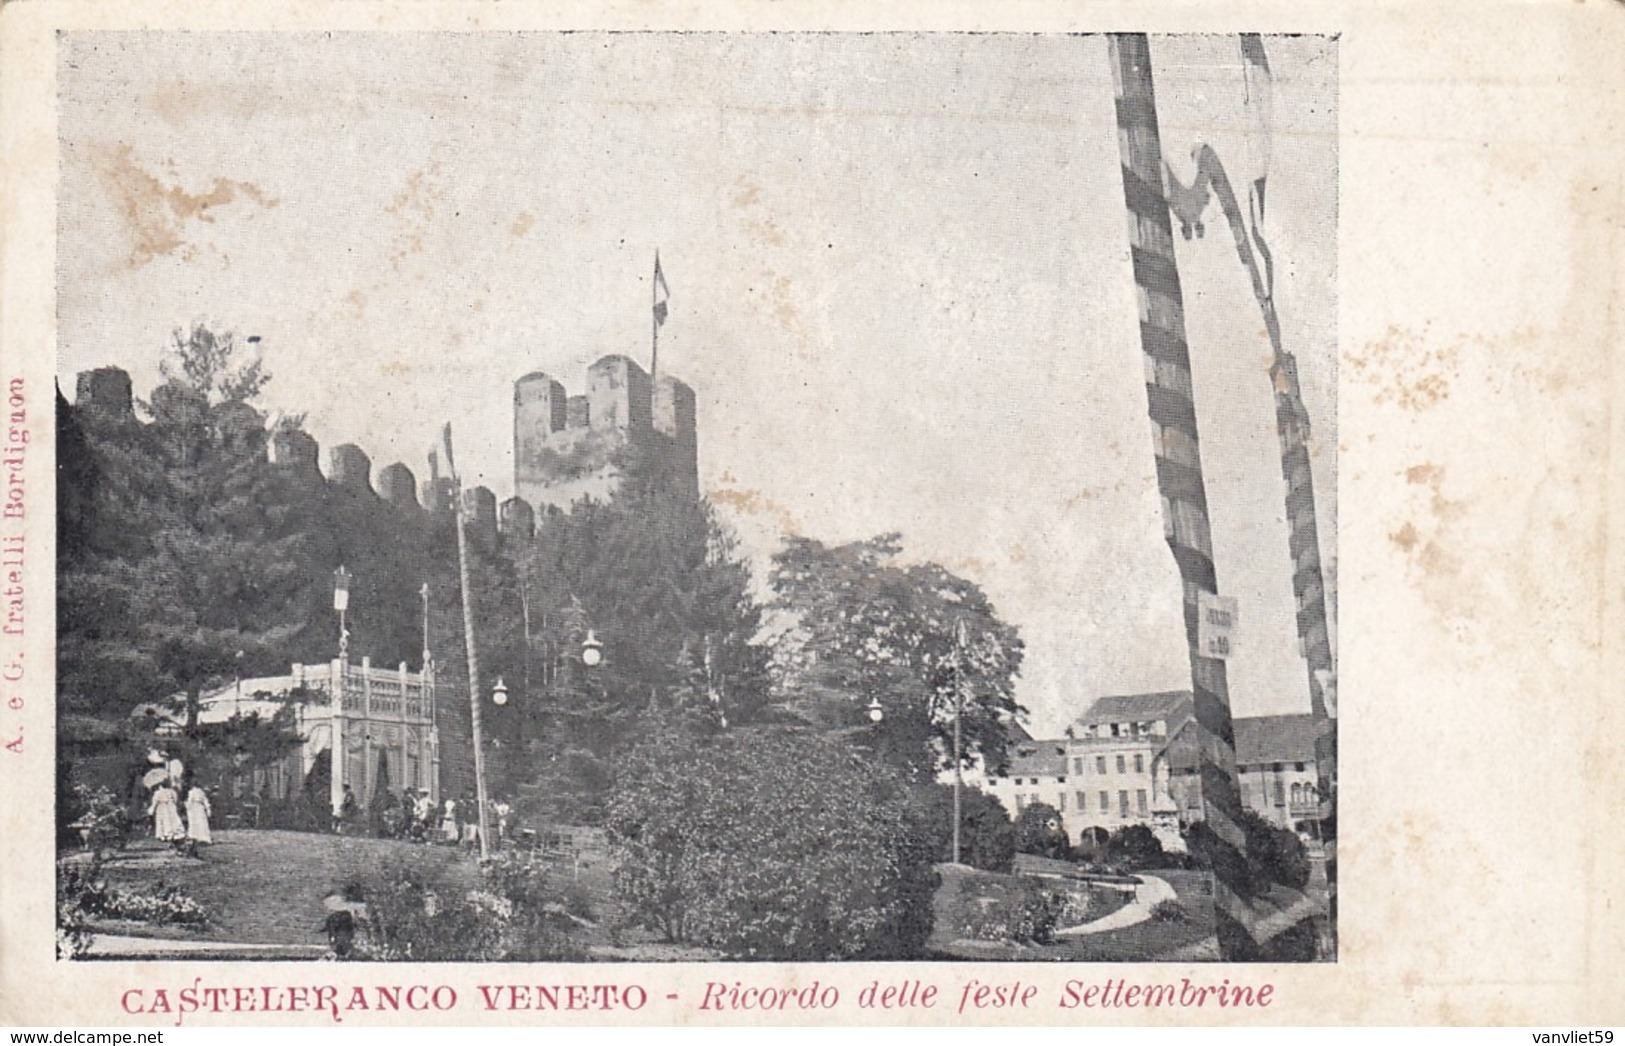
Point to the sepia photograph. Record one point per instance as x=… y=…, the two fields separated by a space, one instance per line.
x=527 y=497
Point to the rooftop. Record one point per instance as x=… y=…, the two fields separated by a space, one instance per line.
x=1278 y=738
x=1037 y=759
x=1168 y=705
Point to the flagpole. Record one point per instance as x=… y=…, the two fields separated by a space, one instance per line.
x=654 y=320
x=475 y=725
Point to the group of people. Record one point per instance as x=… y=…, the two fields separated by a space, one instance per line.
x=168 y=824
x=412 y=815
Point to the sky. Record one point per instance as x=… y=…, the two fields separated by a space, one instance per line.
x=899 y=273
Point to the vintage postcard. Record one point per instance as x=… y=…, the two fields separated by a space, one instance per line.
x=814 y=515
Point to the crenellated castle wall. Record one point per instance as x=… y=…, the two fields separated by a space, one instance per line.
x=104 y=395
x=566 y=447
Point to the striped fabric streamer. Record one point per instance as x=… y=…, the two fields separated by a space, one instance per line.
x=1292 y=428
x=1175 y=437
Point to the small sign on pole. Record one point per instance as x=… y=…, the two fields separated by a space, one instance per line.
x=1215 y=619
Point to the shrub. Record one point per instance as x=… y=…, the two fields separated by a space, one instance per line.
x=1039 y=831
x=518 y=914
x=1170 y=912
x=987 y=836
x=410 y=918
x=1134 y=847
x=770 y=844
x=1025 y=913
x=82 y=894
x=166 y=905
x=101 y=819
x=1274 y=855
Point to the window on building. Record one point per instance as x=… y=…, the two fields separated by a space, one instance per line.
x=1121 y=765
x=1280 y=792
x=1077 y=765
x=1100 y=764
x=1060 y=801
x=1139 y=764
x=1298 y=767
x=1116 y=730
x=1083 y=801
x=1105 y=802
x=1122 y=802
x=1139 y=801
x=1060 y=780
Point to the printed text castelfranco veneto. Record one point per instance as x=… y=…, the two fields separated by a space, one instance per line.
x=198 y=998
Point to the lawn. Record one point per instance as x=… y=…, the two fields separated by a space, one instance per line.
x=264 y=887
x=267 y=887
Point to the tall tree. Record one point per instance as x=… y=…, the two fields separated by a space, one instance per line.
x=224 y=571
x=860 y=626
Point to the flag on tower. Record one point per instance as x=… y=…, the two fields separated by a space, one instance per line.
x=1259 y=105
x=661 y=293
x=440 y=454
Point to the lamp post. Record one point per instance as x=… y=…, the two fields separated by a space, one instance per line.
x=341 y=603
x=592 y=651
x=959 y=704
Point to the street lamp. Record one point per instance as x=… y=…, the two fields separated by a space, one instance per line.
x=499 y=693
x=876 y=713
x=341 y=603
x=959 y=704
x=592 y=651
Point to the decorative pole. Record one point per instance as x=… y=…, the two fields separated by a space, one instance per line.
x=475 y=725
x=959 y=707
x=1177 y=448
x=341 y=603
x=423 y=593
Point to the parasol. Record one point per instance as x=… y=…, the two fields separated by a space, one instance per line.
x=154 y=777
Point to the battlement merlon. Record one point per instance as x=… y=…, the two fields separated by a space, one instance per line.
x=516 y=520
x=398 y=486
x=105 y=391
x=349 y=468
x=618 y=394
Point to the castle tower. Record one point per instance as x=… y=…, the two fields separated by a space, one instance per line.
x=567 y=448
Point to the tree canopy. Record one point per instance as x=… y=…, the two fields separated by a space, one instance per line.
x=863 y=626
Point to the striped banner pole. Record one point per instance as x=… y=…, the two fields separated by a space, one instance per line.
x=1178 y=457
x=1292 y=427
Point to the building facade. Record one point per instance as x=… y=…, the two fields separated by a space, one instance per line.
x=1130 y=759
x=1277 y=761
x=381 y=736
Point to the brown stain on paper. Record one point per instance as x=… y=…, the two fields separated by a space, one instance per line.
x=414 y=208
x=1405 y=371
x=156 y=213
x=755 y=503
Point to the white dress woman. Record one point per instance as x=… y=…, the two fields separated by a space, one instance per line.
x=166 y=814
x=448 y=823
x=197 y=816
